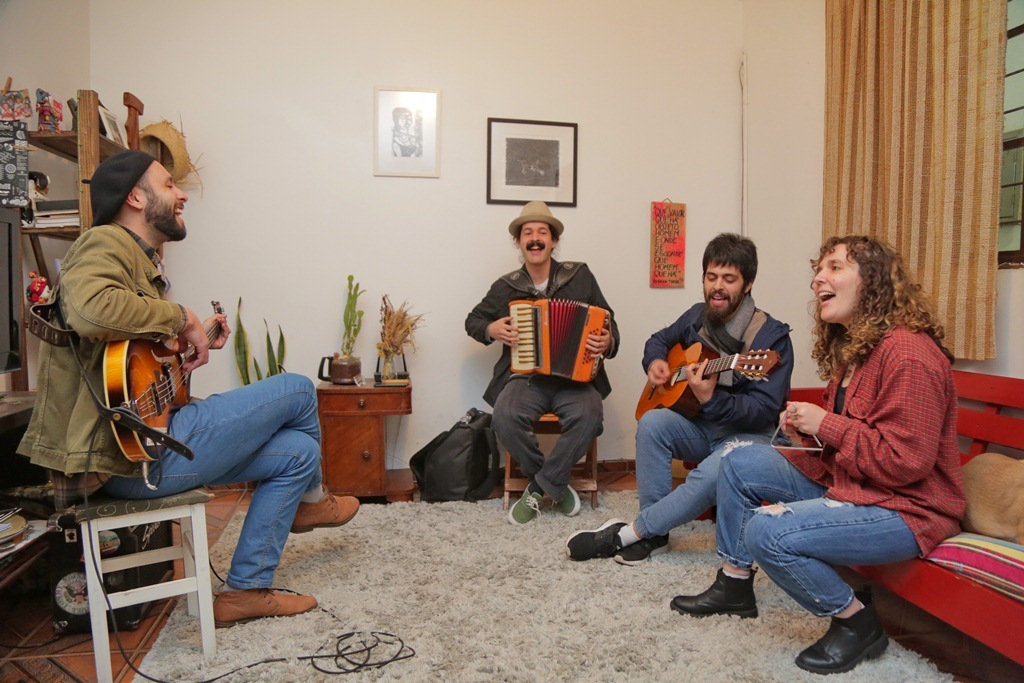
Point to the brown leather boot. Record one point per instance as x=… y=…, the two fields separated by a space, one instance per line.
x=238 y=607
x=331 y=511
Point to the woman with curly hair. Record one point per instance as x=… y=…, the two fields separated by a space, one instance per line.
x=871 y=478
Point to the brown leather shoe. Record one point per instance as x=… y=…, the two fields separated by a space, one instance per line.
x=331 y=511
x=238 y=607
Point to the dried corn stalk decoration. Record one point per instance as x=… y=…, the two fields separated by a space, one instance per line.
x=396 y=328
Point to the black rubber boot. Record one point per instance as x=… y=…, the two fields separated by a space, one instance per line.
x=846 y=644
x=726 y=596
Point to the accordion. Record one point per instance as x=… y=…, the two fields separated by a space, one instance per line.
x=553 y=337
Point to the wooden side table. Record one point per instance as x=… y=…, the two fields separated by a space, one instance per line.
x=354 y=441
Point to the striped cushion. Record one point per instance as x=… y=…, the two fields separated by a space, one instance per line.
x=989 y=561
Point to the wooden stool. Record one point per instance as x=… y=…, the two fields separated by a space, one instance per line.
x=584 y=473
x=104 y=514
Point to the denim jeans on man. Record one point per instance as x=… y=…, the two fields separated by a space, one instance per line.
x=798 y=543
x=267 y=432
x=580 y=417
x=664 y=435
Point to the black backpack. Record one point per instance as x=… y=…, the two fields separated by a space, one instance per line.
x=460 y=464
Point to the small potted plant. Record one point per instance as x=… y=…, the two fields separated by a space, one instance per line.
x=345 y=367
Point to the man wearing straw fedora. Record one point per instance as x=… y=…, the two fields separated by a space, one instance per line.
x=519 y=399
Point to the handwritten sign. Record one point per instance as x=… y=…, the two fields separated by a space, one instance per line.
x=668 y=244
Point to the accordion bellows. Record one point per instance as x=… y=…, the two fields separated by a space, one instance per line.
x=553 y=337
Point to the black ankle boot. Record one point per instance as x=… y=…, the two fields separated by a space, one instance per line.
x=726 y=596
x=846 y=644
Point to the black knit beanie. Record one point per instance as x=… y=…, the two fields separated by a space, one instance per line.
x=113 y=181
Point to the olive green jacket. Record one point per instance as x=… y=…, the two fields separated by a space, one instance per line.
x=109 y=290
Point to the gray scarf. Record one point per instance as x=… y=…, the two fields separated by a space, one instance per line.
x=728 y=338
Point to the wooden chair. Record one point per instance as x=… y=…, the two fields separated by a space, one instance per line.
x=105 y=514
x=584 y=473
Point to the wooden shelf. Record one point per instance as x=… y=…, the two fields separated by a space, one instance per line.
x=65 y=145
x=85 y=147
x=68 y=233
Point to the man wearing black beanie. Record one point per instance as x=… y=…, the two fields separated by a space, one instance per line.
x=112 y=289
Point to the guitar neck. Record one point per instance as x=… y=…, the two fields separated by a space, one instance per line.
x=212 y=332
x=714 y=367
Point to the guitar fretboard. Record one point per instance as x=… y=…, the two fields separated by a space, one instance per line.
x=714 y=366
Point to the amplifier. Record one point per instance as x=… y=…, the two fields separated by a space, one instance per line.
x=68 y=596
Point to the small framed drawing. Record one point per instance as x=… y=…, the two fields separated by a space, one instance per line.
x=111 y=127
x=531 y=160
x=407 y=132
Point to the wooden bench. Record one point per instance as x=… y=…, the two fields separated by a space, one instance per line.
x=980 y=612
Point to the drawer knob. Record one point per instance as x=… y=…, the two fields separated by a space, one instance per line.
x=366 y=455
x=362 y=403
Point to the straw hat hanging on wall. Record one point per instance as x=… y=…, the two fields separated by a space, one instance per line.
x=167 y=145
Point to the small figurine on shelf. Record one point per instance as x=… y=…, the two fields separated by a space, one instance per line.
x=38 y=291
x=50 y=111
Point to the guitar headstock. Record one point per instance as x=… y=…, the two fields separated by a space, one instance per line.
x=756 y=365
x=217 y=308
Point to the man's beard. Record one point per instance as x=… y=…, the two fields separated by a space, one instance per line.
x=161 y=216
x=713 y=313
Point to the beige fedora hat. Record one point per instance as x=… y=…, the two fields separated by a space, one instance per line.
x=536 y=211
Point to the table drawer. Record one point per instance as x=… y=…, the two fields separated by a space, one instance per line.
x=365 y=403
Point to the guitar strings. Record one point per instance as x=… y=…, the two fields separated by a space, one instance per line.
x=146 y=404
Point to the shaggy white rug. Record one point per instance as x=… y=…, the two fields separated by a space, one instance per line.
x=475 y=599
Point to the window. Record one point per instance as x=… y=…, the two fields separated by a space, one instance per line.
x=1011 y=198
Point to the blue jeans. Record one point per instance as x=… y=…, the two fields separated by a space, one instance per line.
x=267 y=432
x=798 y=543
x=580 y=416
x=663 y=435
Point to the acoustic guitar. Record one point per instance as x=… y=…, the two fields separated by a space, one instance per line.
x=676 y=394
x=147 y=378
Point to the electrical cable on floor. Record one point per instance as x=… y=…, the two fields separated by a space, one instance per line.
x=355 y=651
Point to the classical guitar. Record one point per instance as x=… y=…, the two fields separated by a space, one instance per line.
x=676 y=394
x=147 y=378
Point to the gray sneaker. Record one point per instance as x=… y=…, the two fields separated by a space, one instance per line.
x=526 y=508
x=643 y=549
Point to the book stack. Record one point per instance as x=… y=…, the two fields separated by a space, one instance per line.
x=57 y=213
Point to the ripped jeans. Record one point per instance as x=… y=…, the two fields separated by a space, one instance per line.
x=798 y=543
x=663 y=436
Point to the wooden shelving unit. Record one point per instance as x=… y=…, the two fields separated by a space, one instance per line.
x=87 y=148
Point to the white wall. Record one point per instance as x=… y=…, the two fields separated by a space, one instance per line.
x=277 y=104
x=48 y=49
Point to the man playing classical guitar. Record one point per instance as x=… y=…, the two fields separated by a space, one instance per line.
x=720 y=411
x=112 y=289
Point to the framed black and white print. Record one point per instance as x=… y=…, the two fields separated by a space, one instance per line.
x=407 y=132
x=531 y=161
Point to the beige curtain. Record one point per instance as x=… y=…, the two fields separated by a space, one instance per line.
x=913 y=145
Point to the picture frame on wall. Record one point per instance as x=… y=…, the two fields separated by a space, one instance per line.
x=531 y=161
x=111 y=127
x=407 y=132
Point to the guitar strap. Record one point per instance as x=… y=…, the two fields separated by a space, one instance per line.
x=47 y=322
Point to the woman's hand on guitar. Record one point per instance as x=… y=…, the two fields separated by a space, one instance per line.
x=502 y=330
x=658 y=372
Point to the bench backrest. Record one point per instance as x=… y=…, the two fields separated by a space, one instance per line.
x=980 y=417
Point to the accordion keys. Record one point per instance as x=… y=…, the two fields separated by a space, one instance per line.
x=553 y=337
